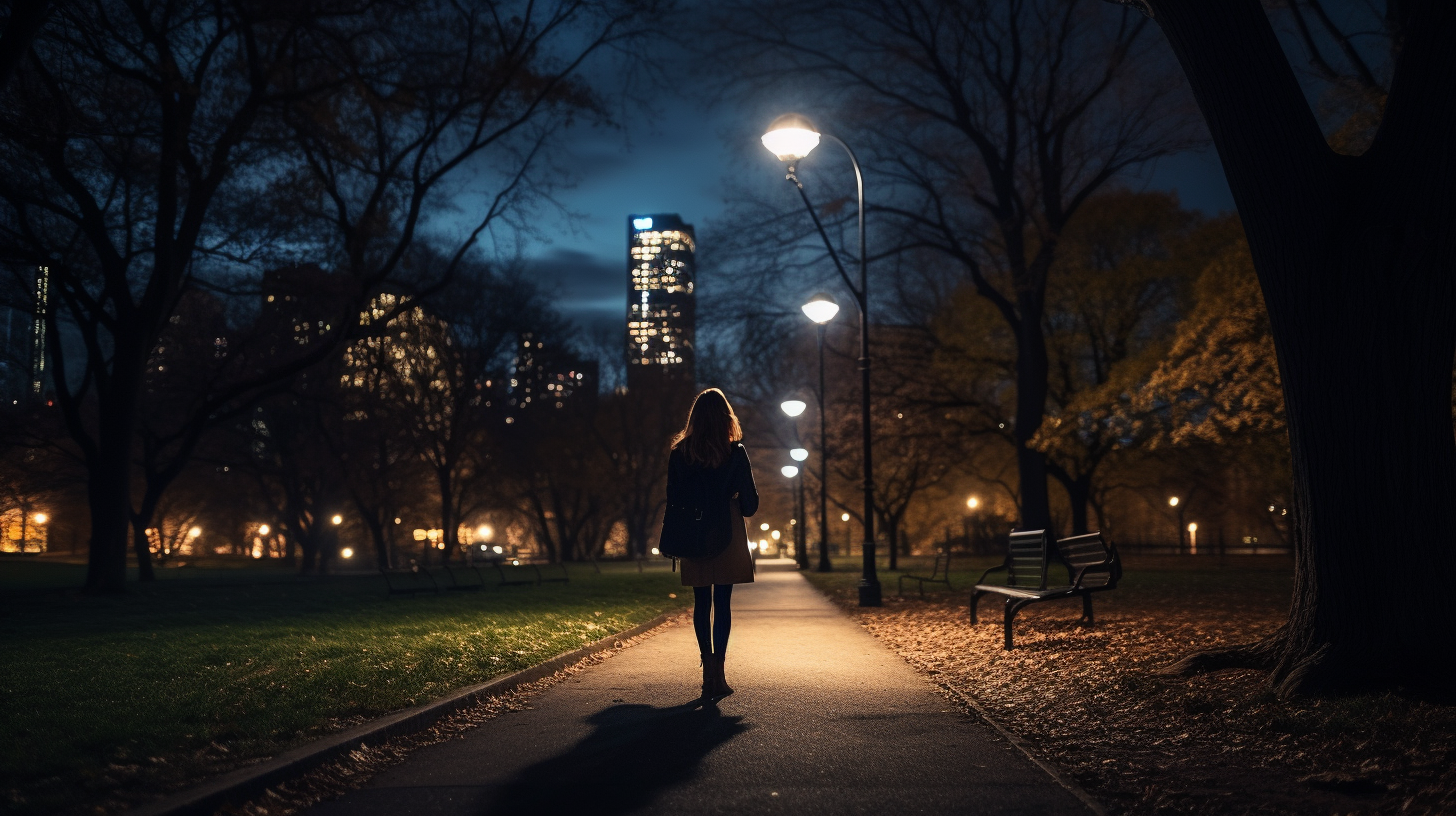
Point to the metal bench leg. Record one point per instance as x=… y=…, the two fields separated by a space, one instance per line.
x=975 y=599
x=1010 y=616
x=1087 y=609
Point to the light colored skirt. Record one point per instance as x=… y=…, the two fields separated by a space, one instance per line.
x=732 y=566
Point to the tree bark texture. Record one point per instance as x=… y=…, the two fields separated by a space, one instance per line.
x=1032 y=370
x=1357 y=261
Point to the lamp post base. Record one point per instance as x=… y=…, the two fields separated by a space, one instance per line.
x=869 y=593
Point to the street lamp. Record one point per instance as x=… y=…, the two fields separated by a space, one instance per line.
x=821 y=309
x=848 y=534
x=794 y=408
x=1177 y=504
x=790 y=138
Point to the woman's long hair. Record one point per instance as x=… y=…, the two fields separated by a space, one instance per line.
x=711 y=430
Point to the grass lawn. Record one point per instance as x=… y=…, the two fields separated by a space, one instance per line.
x=1091 y=701
x=109 y=701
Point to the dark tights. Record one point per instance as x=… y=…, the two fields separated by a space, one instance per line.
x=704 y=599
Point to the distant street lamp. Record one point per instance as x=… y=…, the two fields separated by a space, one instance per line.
x=848 y=534
x=795 y=408
x=337 y=519
x=1192 y=538
x=1178 y=505
x=790 y=138
x=821 y=309
x=792 y=472
x=41 y=518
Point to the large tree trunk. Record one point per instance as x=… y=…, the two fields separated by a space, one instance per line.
x=1357 y=260
x=109 y=499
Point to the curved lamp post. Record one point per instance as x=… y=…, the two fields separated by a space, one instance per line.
x=791 y=137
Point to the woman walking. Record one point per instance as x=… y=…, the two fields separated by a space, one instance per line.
x=708 y=465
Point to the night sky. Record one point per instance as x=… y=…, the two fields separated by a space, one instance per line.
x=674 y=157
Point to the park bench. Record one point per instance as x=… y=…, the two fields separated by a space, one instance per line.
x=1092 y=566
x=520 y=574
x=409 y=582
x=467 y=585
x=563 y=578
x=939 y=574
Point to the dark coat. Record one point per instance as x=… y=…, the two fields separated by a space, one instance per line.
x=687 y=483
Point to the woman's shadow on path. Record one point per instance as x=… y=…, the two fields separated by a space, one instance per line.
x=635 y=753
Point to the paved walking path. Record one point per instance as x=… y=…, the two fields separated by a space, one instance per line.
x=825 y=720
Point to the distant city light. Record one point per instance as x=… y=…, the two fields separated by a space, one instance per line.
x=973 y=502
x=498 y=548
x=263 y=529
x=420 y=535
x=775 y=535
x=1173 y=501
x=655 y=551
x=793 y=407
x=844 y=517
x=1192 y=527
x=194 y=532
x=347 y=552
x=40 y=518
x=337 y=519
x=484 y=532
x=763 y=526
x=798 y=454
x=396 y=519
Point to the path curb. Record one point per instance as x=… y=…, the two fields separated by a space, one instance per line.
x=1051 y=770
x=246 y=783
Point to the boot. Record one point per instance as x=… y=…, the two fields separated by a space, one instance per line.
x=720 y=684
x=709 y=683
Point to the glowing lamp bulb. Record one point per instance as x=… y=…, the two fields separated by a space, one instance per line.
x=484 y=532
x=40 y=518
x=337 y=519
x=793 y=407
x=844 y=517
x=263 y=529
x=789 y=471
x=973 y=502
x=1192 y=527
x=798 y=454
x=1173 y=501
x=821 y=308
x=347 y=552
x=194 y=532
x=791 y=137
x=775 y=535
x=763 y=526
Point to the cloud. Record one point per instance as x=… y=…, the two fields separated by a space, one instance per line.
x=588 y=289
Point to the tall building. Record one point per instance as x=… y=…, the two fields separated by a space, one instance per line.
x=23 y=358
x=661 y=319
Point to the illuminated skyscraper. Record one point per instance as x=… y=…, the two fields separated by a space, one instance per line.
x=661 y=318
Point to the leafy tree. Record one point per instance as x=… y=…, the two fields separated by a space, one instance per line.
x=987 y=127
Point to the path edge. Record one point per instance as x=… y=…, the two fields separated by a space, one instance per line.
x=1051 y=770
x=245 y=783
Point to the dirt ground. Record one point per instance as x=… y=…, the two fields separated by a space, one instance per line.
x=1090 y=701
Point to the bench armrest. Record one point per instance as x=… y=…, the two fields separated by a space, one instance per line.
x=982 y=579
x=1105 y=566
